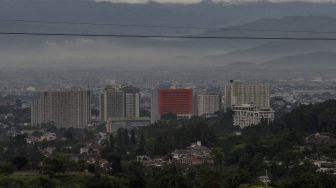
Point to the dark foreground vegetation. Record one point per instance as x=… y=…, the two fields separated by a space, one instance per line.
x=240 y=156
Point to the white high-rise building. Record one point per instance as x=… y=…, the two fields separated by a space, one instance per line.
x=237 y=94
x=247 y=115
x=64 y=108
x=119 y=102
x=208 y=104
x=250 y=103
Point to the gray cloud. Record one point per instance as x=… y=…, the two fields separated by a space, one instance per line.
x=146 y=1
x=217 y=1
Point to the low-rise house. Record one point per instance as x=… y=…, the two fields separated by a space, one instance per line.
x=325 y=166
x=147 y=161
x=195 y=154
x=48 y=137
x=48 y=151
x=91 y=149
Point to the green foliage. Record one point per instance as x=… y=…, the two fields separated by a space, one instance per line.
x=19 y=162
x=311 y=118
x=65 y=181
x=6 y=168
x=238 y=159
x=54 y=164
x=169 y=117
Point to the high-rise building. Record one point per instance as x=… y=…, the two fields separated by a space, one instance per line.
x=250 y=103
x=155 y=106
x=247 y=115
x=176 y=101
x=34 y=112
x=132 y=101
x=112 y=103
x=208 y=104
x=119 y=102
x=64 y=108
x=237 y=94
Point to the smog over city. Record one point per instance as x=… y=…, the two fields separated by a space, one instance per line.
x=168 y=93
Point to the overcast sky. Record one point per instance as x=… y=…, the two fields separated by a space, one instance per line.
x=59 y=51
x=224 y=1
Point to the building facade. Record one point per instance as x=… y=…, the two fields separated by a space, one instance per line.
x=119 y=101
x=237 y=94
x=208 y=104
x=132 y=101
x=64 y=108
x=247 y=115
x=155 y=106
x=176 y=101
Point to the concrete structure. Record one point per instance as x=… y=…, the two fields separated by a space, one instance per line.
x=109 y=126
x=34 y=112
x=208 y=104
x=132 y=101
x=128 y=123
x=247 y=115
x=155 y=106
x=237 y=94
x=119 y=102
x=64 y=108
x=195 y=154
x=176 y=101
x=112 y=103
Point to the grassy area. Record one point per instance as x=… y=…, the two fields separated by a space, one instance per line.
x=29 y=179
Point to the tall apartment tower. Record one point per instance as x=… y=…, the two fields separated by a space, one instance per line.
x=155 y=106
x=34 y=112
x=112 y=102
x=119 y=102
x=208 y=104
x=176 y=101
x=132 y=101
x=237 y=94
x=64 y=108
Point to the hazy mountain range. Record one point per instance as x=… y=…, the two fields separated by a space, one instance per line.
x=216 y=19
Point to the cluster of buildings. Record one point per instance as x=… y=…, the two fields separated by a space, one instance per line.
x=195 y=154
x=250 y=103
x=184 y=103
x=119 y=105
x=46 y=136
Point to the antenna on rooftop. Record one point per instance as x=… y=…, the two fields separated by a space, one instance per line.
x=265 y=179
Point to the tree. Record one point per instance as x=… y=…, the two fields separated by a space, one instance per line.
x=115 y=164
x=135 y=172
x=91 y=168
x=6 y=168
x=133 y=139
x=19 y=162
x=217 y=156
x=111 y=142
x=54 y=164
x=120 y=137
x=141 y=147
x=169 y=116
x=46 y=182
x=126 y=137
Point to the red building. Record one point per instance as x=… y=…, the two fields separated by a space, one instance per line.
x=176 y=101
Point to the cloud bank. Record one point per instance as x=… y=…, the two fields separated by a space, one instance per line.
x=216 y=1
